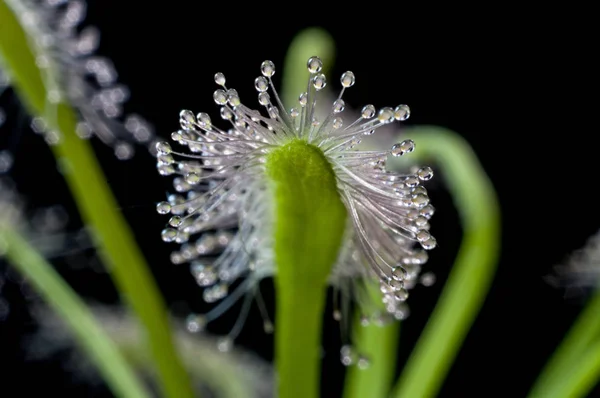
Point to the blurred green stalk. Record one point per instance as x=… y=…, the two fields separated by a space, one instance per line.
x=572 y=367
x=475 y=265
x=117 y=373
x=97 y=205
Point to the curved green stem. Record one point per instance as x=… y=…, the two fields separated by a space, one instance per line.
x=473 y=269
x=310 y=221
x=559 y=370
x=379 y=343
x=96 y=203
x=117 y=373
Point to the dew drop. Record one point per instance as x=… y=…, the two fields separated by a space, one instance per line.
x=163 y=148
x=398 y=273
x=425 y=173
x=220 y=79
x=403 y=147
x=420 y=200
x=427 y=211
x=429 y=244
x=401 y=295
x=347 y=355
x=363 y=362
x=385 y=288
x=368 y=111
x=195 y=323
x=303 y=99
x=427 y=279
x=338 y=106
x=163 y=207
x=294 y=112
x=314 y=64
x=386 y=115
x=337 y=315
x=402 y=112
x=187 y=119
x=264 y=98
x=204 y=120
x=396 y=284
x=224 y=344
x=175 y=221
x=168 y=234
x=261 y=84
x=337 y=123
x=192 y=178
x=268 y=327
x=348 y=79
x=267 y=68
x=220 y=97
x=423 y=235
x=319 y=82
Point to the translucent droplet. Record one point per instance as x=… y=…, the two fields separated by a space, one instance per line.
x=195 y=323
x=268 y=327
x=6 y=161
x=273 y=111
x=420 y=200
x=402 y=148
x=261 y=84
x=163 y=207
x=429 y=244
x=204 y=120
x=233 y=98
x=220 y=97
x=427 y=279
x=363 y=362
x=337 y=315
x=386 y=115
x=264 y=98
x=124 y=151
x=267 y=68
x=423 y=235
x=175 y=221
x=396 y=284
x=319 y=82
x=402 y=112
x=314 y=64
x=401 y=295
x=347 y=355
x=163 y=148
x=220 y=79
x=385 y=288
x=224 y=344
x=338 y=106
x=337 y=123
x=226 y=113
x=177 y=136
x=421 y=221
x=303 y=99
x=294 y=112
x=192 y=178
x=165 y=159
x=165 y=169
x=186 y=119
x=368 y=111
x=425 y=173
x=348 y=79
x=369 y=132
x=398 y=273
x=177 y=258
x=427 y=211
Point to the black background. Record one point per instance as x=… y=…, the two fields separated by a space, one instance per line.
x=511 y=81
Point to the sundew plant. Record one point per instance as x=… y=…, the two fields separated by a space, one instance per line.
x=296 y=185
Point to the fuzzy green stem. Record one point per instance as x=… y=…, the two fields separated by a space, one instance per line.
x=310 y=220
x=307 y=43
x=473 y=270
x=117 y=373
x=379 y=343
x=560 y=369
x=97 y=205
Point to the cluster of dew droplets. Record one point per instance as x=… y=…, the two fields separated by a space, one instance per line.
x=65 y=53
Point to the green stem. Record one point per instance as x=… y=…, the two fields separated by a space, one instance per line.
x=559 y=369
x=310 y=221
x=379 y=343
x=117 y=373
x=473 y=269
x=307 y=43
x=97 y=205
x=580 y=378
